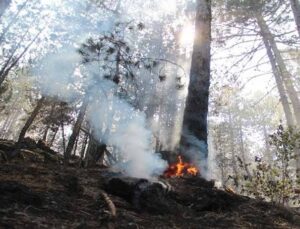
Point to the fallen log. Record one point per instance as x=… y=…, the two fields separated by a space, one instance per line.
x=144 y=195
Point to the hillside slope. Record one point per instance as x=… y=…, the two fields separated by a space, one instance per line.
x=35 y=193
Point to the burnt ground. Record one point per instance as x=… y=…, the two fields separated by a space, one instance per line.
x=38 y=193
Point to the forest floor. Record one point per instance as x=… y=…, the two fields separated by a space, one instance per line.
x=38 y=193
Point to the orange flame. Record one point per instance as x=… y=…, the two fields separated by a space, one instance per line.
x=180 y=169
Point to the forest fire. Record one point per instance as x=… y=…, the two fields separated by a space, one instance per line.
x=180 y=169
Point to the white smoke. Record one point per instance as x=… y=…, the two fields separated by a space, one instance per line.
x=124 y=127
x=56 y=74
x=127 y=131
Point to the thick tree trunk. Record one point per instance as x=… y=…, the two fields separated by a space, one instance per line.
x=31 y=118
x=295 y=4
x=279 y=64
x=194 y=130
x=279 y=82
x=76 y=130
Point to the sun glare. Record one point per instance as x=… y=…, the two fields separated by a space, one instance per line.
x=187 y=35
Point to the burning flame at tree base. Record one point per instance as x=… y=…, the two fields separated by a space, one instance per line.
x=180 y=169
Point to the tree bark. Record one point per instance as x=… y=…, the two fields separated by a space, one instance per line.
x=295 y=4
x=194 y=130
x=76 y=129
x=279 y=82
x=31 y=118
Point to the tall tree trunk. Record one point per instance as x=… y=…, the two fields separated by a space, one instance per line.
x=194 y=130
x=31 y=118
x=220 y=155
x=76 y=129
x=268 y=153
x=277 y=62
x=233 y=153
x=279 y=82
x=48 y=124
x=295 y=4
x=45 y=133
x=285 y=75
x=62 y=126
x=53 y=137
x=243 y=154
x=76 y=144
x=83 y=147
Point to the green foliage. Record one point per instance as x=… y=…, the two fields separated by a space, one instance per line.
x=275 y=181
x=114 y=55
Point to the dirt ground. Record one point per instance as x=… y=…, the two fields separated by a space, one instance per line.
x=35 y=194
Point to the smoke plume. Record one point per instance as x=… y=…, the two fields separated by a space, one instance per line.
x=112 y=119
